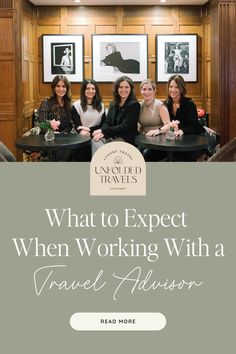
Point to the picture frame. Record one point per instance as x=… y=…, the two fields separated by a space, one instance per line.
x=176 y=54
x=115 y=55
x=63 y=55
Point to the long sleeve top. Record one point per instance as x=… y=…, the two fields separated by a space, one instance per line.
x=50 y=110
x=122 y=121
x=187 y=115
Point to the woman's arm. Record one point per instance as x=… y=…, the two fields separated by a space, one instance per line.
x=75 y=117
x=77 y=122
x=107 y=60
x=44 y=111
x=191 y=124
x=165 y=118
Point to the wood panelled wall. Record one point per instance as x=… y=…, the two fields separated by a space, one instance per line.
x=151 y=20
x=22 y=26
x=223 y=19
x=29 y=64
x=7 y=74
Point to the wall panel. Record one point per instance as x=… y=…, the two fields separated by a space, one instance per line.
x=7 y=74
x=6 y=36
x=134 y=29
x=117 y=20
x=29 y=65
x=222 y=15
x=104 y=29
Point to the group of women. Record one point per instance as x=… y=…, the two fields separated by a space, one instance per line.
x=126 y=117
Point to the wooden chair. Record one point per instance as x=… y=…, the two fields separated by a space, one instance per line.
x=5 y=154
x=226 y=153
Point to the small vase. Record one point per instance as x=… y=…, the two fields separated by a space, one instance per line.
x=49 y=135
x=170 y=135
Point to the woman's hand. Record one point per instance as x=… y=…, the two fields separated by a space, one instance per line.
x=153 y=132
x=96 y=132
x=82 y=127
x=98 y=136
x=179 y=132
x=84 y=132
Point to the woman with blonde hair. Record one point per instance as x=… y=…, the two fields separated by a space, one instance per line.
x=154 y=117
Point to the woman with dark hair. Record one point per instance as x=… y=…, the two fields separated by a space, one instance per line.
x=122 y=118
x=183 y=110
x=58 y=106
x=88 y=113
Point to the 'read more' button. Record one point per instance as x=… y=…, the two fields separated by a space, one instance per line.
x=118 y=321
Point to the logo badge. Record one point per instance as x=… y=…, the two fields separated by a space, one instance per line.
x=118 y=168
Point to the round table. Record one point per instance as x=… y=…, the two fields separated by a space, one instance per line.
x=183 y=143
x=62 y=142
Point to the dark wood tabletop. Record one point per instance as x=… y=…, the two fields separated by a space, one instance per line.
x=62 y=142
x=182 y=143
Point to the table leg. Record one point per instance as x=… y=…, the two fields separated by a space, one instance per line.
x=170 y=156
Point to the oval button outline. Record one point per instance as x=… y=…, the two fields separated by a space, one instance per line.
x=117 y=321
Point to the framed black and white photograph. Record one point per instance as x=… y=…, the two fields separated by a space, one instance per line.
x=117 y=55
x=63 y=55
x=176 y=54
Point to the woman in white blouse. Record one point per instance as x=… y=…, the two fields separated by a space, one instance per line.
x=88 y=112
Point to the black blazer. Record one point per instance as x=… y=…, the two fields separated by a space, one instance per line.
x=121 y=122
x=187 y=115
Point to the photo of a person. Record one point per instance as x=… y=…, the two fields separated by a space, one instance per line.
x=63 y=58
x=170 y=62
x=114 y=58
x=177 y=58
x=67 y=62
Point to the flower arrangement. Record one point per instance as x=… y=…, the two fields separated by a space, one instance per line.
x=50 y=124
x=174 y=125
